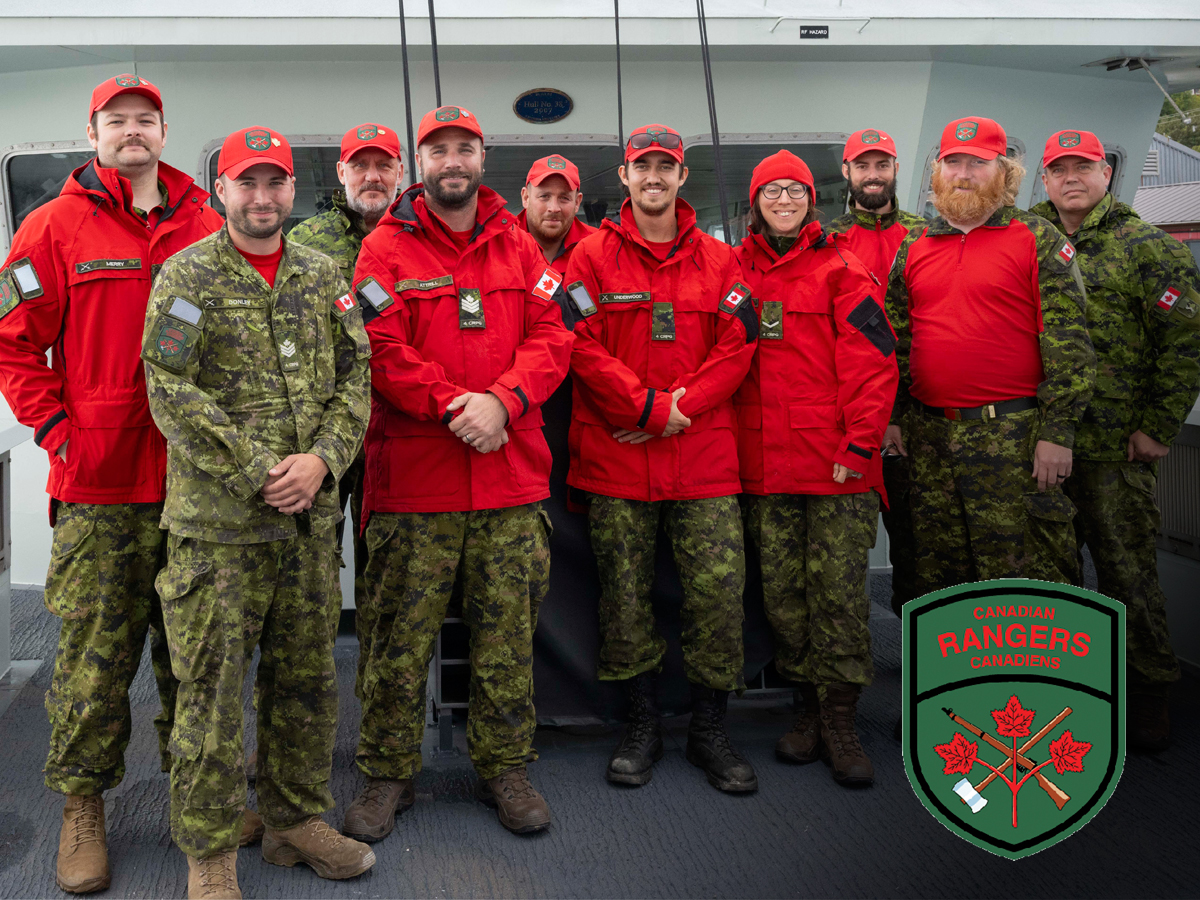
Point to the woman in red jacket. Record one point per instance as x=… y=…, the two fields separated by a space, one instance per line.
x=811 y=415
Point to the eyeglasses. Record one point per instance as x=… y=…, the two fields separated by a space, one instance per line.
x=795 y=191
x=666 y=140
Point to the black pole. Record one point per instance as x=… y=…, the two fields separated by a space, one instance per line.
x=412 y=170
x=437 y=78
x=620 y=110
x=712 y=117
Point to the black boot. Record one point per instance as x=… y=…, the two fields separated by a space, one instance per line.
x=642 y=745
x=708 y=745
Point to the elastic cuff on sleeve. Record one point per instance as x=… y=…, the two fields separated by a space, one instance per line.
x=1159 y=428
x=660 y=414
x=1061 y=433
x=329 y=456
x=509 y=398
x=54 y=432
x=250 y=480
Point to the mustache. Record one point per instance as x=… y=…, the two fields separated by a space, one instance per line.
x=133 y=142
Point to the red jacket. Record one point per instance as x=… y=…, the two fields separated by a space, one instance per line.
x=94 y=259
x=579 y=230
x=427 y=349
x=823 y=380
x=625 y=365
x=875 y=239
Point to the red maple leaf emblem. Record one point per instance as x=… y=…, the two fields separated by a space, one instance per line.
x=547 y=285
x=1013 y=720
x=960 y=754
x=1067 y=753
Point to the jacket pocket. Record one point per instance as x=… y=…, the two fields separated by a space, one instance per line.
x=526 y=452
x=1142 y=479
x=420 y=458
x=72 y=580
x=815 y=438
x=1050 y=506
x=197 y=642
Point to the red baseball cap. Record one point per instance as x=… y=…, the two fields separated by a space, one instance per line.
x=252 y=146
x=553 y=165
x=1073 y=143
x=974 y=135
x=783 y=164
x=868 y=139
x=655 y=132
x=123 y=84
x=369 y=134
x=447 y=117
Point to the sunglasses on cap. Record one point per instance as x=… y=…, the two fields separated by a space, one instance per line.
x=666 y=140
x=774 y=192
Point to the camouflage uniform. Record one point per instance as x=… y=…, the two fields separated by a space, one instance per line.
x=814 y=550
x=414 y=559
x=338 y=233
x=897 y=470
x=240 y=375
x=101 y=583
x=707 y=539
x=1148 y=375
x=976 y=510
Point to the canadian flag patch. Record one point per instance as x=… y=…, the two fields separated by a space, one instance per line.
x=1067 y=253
x=1167 y=300
x=346 y=302
x=547 y=284
x=737 y=294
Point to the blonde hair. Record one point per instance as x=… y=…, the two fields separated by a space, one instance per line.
x=1014 y=173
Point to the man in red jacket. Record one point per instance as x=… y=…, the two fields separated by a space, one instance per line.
x=77 y=281
x=467 y=343
x=667 y=336
x=874 y=227
x=997 y=368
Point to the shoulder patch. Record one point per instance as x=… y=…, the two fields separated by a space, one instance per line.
x=9 y=298
x=185 y=310
x=1180 y=301
x=738 y=294
x=1063 y=254
x=1066 y=252
x=547 y=284
x=374 y=293
x=25 y=275
x=869 y=319
x=344 y=304
x=579 y=295
x=170 y=342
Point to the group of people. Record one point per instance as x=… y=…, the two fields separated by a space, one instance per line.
x=1001 y=382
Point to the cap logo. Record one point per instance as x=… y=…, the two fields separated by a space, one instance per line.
x=556 y=162
x=258 y=139
x=871 y=137
x=1069 y=139
x=655 y=132
x=367 y=133
x=966 y=130
x=128 y=81
x=448 y=114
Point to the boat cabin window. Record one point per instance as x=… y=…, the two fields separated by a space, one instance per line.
x=35 y=174
x=1016 y=150
x=1116 y=158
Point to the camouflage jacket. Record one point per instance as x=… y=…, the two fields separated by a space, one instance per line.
x=1144 y=318
x=875 y=239
x=337 y=232
x=1068 y=361
x=241 y=375
x=872 y=222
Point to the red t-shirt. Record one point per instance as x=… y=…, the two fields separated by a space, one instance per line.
x=976 y=316
x=266 y=264
x=661 y=249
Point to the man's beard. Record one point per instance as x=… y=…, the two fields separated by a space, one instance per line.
x=873 y=201
x=239 y=220
x=659 y=207
x=549 y=229
x=453 y=199
x=371 y=211
x=967 y=206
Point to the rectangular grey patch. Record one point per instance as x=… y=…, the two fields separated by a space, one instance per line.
x=188 y=312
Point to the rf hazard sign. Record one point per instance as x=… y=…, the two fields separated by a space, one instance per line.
x=1014 y=709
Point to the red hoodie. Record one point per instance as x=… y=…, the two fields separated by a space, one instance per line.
x=449 y=321
x=93 y=259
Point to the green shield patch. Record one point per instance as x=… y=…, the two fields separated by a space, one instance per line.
x=367 y=133
x=171 y=341
x=870 y=137
x=258 y=139
x=556 y=162
x=966 y=130
x=128 y=81
x=1069 y=139
x=447 y=114
x=1014 y=709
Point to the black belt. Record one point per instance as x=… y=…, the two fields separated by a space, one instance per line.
x=990 y=411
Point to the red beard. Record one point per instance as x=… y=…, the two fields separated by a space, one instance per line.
x=970 y=205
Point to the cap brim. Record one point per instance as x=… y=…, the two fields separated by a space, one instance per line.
x=442 y=126
x=1072 y=151
x=631 y=154
x=368 y=146
x=571 y=182
x=151 y=95
x=970 y=151
x=237 y=168
x=867 y=149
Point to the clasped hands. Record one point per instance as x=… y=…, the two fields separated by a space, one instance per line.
x=481 y=422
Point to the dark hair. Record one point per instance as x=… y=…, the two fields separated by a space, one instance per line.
x=756 y=225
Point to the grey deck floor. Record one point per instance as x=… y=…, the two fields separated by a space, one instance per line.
x=800 y=836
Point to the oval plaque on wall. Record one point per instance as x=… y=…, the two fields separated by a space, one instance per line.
x=543 y=106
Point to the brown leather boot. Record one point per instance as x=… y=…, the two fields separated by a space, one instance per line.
x=373 y=813
x=314 y=843
x=214 y=877
x=1149 y=728
x=252 y=828
x=82 y=847
x=803 y=743
x=839 y=738
x=522 y=810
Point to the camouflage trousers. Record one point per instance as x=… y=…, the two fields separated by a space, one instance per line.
x=101 y=583
x=413 y=561
x=814 y=572
x=1118 y=520
x=351 y=488
x=976 y=511
x=897 y=522
x=709 y=546
x=219 y=602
